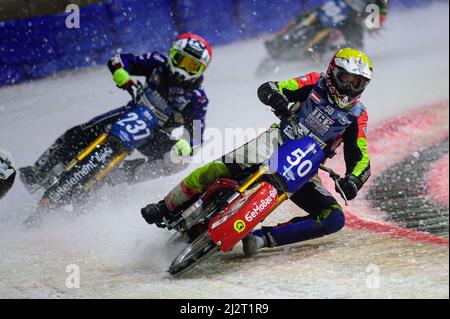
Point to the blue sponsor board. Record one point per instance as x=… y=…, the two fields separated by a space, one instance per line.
x=39 y=46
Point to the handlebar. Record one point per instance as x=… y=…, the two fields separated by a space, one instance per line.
x=136 y=91
x=133 y=95
x=335 y=176
x=291 y=119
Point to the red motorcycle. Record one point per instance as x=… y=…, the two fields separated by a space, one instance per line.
x=229 y=210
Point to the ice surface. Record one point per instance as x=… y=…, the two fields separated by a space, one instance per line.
x=120 y=256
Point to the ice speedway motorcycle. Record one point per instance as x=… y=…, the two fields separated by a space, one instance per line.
x=307 y=37
x=228 y=210
x=75 y=182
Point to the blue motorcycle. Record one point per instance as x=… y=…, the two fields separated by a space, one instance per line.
x=309 y=37
x=92 y=165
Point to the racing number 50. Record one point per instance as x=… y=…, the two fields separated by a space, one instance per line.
x=296 y=159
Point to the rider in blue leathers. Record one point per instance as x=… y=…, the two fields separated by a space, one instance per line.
x=178 y=98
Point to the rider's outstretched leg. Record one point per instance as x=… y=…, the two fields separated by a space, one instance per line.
x=195 y=183
x=232 y=165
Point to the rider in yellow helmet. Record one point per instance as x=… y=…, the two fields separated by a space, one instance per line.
x=326 y=108
x=348 y=75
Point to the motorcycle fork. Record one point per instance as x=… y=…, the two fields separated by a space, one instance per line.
x=311 y=19
x=114 y=163
x=254 y=178
x=100 y=140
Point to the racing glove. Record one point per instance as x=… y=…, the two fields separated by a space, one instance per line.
x=350 y=184
x=279 y=104
x=122 y=79
x=270 y=95
x=183 y=148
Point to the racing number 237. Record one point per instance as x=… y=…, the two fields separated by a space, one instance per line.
x=135 y=126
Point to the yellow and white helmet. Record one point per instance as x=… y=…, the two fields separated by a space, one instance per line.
x=348 y=75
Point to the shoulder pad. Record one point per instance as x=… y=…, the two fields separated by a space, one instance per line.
x=363 y=107
x=158 y=58
x=309 y=79
x=358 y=109
x=200 y=96
x=321 y=81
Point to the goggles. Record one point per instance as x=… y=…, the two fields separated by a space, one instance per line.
x=186 y=62
x=350 y=82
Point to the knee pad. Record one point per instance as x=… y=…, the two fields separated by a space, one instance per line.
x=196 y=182
x=204 y=176
x=334 y=222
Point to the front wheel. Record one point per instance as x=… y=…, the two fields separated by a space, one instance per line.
x=200 y=249
x=82 y=174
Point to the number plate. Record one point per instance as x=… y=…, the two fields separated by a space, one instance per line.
x=297 y=161
x=134 y=127
x=333 y=12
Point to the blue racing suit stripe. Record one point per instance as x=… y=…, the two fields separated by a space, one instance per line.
x=306 y=228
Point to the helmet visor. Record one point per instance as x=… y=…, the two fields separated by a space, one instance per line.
x=350 y=83
x=186 y=62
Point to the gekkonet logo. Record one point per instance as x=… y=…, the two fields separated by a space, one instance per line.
x=99 y=158
x=239 y=226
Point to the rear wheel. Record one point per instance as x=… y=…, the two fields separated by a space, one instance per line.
x=200 y=249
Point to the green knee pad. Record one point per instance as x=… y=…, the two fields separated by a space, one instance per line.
x=204 y=176
x=326 y=213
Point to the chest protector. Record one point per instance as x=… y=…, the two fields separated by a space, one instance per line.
x=320 y=118
x=165 y=100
